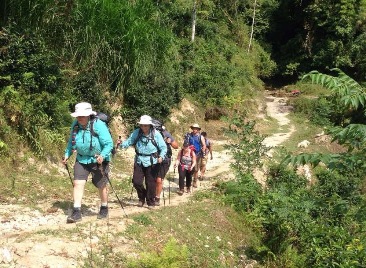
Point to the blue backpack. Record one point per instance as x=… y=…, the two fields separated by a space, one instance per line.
x=195 y=141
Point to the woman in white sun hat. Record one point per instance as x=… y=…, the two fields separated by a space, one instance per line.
x=93 y=153
x=150 y=150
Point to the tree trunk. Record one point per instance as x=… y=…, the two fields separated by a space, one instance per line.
x=252 y=30
x=194 y=14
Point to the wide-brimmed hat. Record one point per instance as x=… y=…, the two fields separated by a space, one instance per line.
x=195 y=126
x=145 y=120
x=83 y=109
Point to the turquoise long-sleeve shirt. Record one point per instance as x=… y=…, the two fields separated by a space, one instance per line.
x=145 y=147
x=101 y=143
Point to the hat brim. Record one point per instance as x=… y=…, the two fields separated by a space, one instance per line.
x=83 y=113
x=144 y=122
x=192 y=127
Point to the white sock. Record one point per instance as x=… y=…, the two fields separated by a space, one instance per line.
x=77 y=205
x=104 y=204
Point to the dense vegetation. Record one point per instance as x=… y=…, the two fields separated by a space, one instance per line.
x=141 y=57
x=301 y=223
x=144 y=56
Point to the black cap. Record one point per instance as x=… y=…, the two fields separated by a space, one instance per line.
x=185 y=143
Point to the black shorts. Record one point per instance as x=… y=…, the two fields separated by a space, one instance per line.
x=164 y=168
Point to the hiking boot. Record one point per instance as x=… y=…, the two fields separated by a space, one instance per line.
x=103 y=212
x=195 y=184
x=200 y=178
x=141 y=203
x=75 y=216
x=157 y=201
x=180 y=192
x=188 y=190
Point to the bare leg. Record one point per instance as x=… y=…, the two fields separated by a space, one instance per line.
x=79 y=186
x=159 y=187
x=103 y=193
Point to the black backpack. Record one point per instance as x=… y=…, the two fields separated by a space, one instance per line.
x=106 y=119
x=158 y=125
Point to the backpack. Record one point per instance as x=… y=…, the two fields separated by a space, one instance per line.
x=158 y=125
x=150 y=138
x=195 y=141
x=101 y=116
x=191 y=147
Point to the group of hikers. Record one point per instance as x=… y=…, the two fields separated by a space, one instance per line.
x=91 y=140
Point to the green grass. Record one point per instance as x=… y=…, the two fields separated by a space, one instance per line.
x=213 y=233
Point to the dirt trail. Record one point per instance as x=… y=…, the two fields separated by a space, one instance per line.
x=277 y=109
x=37 y=238
x=41 y=238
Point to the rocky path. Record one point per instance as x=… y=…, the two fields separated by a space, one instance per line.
x=41 y=238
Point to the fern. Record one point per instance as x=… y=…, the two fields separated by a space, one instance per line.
x=353 y=136
x=351 y=93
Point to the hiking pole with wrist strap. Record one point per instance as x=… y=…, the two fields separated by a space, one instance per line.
x=100 y=166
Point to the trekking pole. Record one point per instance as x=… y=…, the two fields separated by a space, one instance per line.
x=162 y=184
x=120 y=202
x=68 y=171
x=169 y=186
x=110 y=183
x=131 y=192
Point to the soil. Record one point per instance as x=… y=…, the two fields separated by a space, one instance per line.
x=26 y=234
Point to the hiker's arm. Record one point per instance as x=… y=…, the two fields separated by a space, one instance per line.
x=211 y=150
x=161 y=145
x=170 y=140
x=178 y=159
x=203 y=144
x=131 y=139
x=194 y=160
x=174 y=144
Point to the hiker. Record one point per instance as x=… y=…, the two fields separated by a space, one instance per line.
x=186 y=162
x=165 y=165
x=91 y=140
x=204 y=159
x=195 y=138
x=150 y=151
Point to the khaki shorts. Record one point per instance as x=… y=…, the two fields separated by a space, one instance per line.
x=204 y=161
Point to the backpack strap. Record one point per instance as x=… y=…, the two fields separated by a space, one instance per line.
x=75 y=130
x=92 y=132
x=151 y=138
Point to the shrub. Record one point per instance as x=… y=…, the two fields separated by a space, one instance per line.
x=33 y=98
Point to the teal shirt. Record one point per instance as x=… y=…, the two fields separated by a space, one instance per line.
x=102 y=143
x=145 y=147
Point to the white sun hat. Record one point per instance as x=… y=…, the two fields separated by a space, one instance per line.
x=83 y=109
x=145 y=120
x=195 y=126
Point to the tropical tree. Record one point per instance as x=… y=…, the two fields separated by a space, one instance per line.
x=352 y=97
